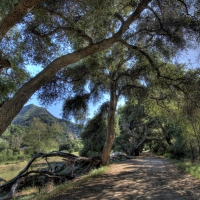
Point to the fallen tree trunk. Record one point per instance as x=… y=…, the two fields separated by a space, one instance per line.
x=12 y=191
x=70 y=167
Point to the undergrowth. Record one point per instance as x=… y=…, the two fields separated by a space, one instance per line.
x=186 y=165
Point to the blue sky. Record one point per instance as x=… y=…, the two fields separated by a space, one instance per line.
x=190 y=58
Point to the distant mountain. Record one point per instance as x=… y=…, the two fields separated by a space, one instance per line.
x=31 y=111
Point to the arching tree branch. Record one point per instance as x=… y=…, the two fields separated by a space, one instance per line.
x=12 y=107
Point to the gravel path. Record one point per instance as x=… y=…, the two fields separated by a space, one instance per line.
x=147 y=177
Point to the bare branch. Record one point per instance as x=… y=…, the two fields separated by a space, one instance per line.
x=129 y=46
x=2 y=179
x=159 y=20
x=12 y=107
x=136 y=14
x=48 y=164
x=144 y=137
x=122 y=62
x=184 y=5
x=158 y=98
x=84 y=36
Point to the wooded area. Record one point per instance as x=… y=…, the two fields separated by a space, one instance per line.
x=124 y=49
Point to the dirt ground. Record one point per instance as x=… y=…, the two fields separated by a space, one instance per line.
x=147 y=177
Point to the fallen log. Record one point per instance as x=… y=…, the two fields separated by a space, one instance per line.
x=70 y=167
x=12 y=191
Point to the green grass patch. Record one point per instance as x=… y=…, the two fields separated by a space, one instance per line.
x=186 y=165
x=58 y=190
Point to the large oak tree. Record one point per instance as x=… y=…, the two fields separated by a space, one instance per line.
x=55 y=34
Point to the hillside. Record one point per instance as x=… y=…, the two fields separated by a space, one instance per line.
x=31 y=111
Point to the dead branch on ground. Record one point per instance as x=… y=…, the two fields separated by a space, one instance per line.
x=69 y=167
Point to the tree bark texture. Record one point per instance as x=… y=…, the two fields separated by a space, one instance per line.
x=111 y=129
x=13 y=106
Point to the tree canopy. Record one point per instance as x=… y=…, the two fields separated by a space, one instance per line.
x=85 y=49
x=54 y=35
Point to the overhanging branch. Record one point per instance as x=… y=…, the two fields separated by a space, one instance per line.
x=12 y=107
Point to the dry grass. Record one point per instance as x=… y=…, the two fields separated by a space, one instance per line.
x=9 y=171
x=27 y=193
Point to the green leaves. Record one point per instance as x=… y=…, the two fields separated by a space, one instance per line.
x=42 y=137
x=76 y=106
x=10 y=81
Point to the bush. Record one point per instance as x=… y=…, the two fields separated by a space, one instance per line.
x=2 y=157
x=71 y=146
x=8 y=155
x=3 y=144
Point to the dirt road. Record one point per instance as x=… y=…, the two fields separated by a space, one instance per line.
x=147 y=177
